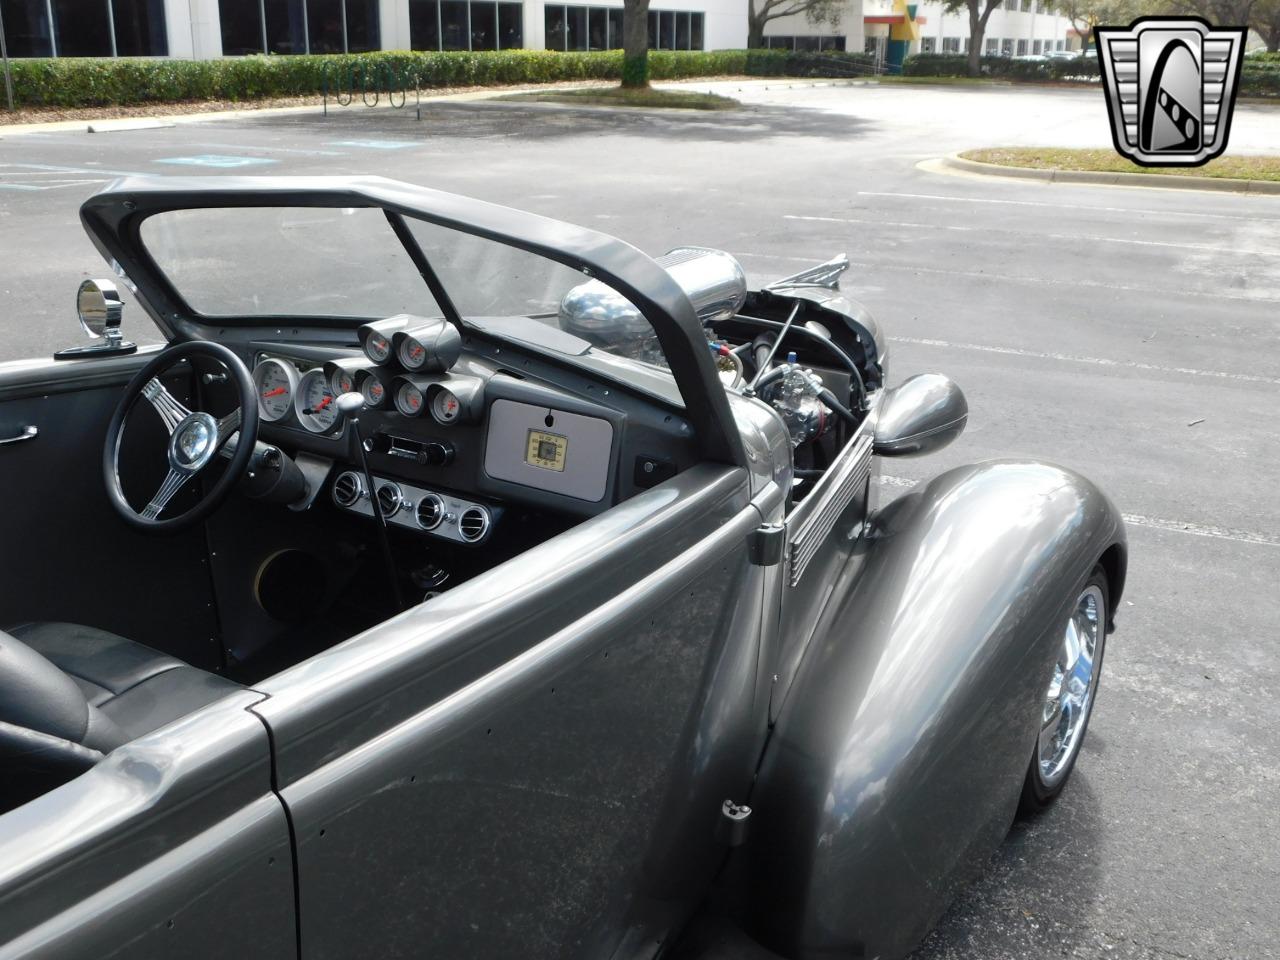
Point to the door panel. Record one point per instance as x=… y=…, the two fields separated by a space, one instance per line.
x=564 y=774
x=173 y=846
x=67 y=555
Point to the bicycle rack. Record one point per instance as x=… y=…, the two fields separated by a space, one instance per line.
x=372 y=83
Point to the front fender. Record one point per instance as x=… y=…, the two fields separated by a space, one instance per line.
x=898 y=757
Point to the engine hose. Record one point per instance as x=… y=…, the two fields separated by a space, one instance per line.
x=829 y=398
x=824 y=341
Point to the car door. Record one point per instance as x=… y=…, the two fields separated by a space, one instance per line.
x=68 y=557
x=533 y=764
x=174 y=844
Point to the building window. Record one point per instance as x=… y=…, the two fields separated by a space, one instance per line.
x=820 y=43
x=1006 y=48
x=84 y=28
x=950 y=44
x=993 y=46
x=1022 y=48
x=926 y=45
x=298 y=26
x=1062 y=44
x=1026 y=6
x=600 y=28
x=966 y=44
x=1035 y=47
x=474 y=25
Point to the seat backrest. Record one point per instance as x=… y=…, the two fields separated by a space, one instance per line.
x=45 y=722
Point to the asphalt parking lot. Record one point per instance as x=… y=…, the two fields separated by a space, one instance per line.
x=1129 y=333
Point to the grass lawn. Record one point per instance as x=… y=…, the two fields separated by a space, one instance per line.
x=1108 y=161
x=620 y=97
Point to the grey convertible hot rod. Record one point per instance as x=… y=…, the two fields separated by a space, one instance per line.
x=460 y=583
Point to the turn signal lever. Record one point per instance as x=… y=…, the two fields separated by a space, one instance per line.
x=350 y=405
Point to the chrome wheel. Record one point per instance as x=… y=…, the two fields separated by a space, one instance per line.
x=1072 y=684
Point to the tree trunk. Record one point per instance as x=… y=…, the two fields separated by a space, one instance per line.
x=977 y=28
x=635 y=43
x=755 y=30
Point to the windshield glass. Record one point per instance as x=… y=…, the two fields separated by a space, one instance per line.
x=287 y=261
x=347 y=263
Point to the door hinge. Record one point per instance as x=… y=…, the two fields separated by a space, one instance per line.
x=731 y=828
x=765 y=544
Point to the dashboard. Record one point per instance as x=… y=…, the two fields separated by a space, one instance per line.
x=455 y=433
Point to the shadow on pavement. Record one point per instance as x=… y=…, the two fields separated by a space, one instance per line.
x=485 y=120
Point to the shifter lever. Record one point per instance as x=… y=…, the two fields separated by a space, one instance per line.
x=350 y=405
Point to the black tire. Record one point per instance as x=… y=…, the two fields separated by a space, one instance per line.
x=1037 y=795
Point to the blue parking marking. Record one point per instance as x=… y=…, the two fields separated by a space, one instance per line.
x=216 y=160
x=375 y=144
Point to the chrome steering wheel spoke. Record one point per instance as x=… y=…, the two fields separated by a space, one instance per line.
x=171 y=485
x=228 y=429
x=171 y=411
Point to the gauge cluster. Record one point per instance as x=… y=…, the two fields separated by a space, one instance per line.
x=296 y=391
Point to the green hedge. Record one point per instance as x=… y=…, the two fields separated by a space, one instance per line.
x=957 y=65
x=1260 y=76
x=74 y=82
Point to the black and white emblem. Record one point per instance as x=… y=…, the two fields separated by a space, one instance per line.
x=1170 y=84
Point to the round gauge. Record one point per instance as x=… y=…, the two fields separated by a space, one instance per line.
x=378 y=347
x=409 y=400
x=445 y=407
x=374 y=392
x=342 y=381
x=315 y=404
x=412 y=353
x=276 y=382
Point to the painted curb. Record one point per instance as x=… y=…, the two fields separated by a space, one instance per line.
x=1160 y=181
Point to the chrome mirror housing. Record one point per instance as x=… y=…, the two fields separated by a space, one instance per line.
x=100 y=311
x=923 y=414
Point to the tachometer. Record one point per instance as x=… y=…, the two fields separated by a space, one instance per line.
x=445 y=407
x=276 y=383
x=409 y=400
x=315 y=402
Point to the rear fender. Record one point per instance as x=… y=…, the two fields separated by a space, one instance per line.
x=899 y=754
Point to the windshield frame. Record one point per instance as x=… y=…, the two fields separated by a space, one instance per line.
x=113 y=220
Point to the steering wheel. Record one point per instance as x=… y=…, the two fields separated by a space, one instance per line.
x=195 y=438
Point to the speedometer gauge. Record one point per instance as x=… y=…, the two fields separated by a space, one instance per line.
x=315 y=403
x=276 y=383
x=409 y=400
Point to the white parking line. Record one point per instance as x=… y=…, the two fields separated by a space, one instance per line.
x=1156 y=523
x=1004 y=231
x=1097 y=361
x=1073 y=282
x=1074 y=207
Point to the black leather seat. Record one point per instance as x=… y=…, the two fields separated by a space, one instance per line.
x=70 y=694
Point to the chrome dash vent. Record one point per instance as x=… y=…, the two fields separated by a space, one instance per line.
x=473 y=525
x=347 y=489
x=390 y=499
x=430 y=511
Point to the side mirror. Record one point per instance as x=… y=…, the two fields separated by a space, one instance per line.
x=100 y=310
x=923 y=414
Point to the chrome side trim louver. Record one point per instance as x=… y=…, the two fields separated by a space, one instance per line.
x=850 y=481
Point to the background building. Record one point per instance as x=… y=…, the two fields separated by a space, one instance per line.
x=214 y=28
